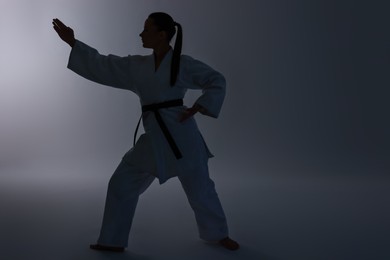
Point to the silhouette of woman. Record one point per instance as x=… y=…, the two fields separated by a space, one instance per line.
x=172 y=144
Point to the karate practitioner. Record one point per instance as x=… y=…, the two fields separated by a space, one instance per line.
x=172 y=144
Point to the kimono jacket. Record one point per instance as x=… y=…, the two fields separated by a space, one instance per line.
x=138 y=74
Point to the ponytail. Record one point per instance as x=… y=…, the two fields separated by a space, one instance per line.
x=175 y=65
x=164 y=22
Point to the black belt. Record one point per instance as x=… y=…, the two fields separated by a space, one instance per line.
x=154 y=108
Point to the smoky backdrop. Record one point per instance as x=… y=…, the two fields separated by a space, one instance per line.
x=301 y=145
x=307 y=82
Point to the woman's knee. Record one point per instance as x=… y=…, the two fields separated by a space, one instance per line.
x=117 y=187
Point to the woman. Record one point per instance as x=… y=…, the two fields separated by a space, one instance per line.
x=172 y=144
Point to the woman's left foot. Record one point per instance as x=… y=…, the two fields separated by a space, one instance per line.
x=229 y=243
x=107 y=248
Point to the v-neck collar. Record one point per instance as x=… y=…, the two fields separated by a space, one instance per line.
x=164 y=60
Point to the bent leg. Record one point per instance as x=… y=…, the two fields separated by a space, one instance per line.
x=124 y=188
x=203 y=198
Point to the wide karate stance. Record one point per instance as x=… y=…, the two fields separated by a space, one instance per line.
x=172 y=144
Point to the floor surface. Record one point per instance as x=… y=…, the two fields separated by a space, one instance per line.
x=54 y=212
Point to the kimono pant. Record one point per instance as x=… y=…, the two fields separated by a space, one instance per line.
x=130 y=181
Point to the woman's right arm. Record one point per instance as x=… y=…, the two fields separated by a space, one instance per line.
x=86 y=61
x=108 y=70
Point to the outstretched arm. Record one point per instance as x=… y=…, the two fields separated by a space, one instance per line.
x=66 y=33
x=86 y=61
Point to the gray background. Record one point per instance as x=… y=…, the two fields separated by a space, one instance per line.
x=301 y=144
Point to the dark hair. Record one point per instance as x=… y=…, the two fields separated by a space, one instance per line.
x=164 y=22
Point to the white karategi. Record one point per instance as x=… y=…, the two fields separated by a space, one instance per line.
x=152 y=156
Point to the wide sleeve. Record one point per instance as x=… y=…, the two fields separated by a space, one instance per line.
x=108 y=70
x=199 y=75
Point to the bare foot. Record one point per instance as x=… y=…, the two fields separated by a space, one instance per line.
x=230 y=244
x=107 y=248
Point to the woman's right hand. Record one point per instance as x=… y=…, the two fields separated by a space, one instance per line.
x=66 y=33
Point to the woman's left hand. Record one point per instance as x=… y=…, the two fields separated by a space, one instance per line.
x=189 y=112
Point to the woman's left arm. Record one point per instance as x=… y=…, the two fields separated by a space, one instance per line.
x=199 y=75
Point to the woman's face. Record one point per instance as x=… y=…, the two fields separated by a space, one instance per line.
x=151 y=37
